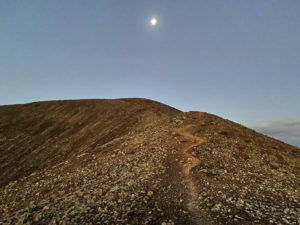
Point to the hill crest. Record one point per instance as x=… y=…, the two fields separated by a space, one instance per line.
x=139 y=161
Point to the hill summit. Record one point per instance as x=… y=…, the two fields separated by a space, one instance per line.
x=137 y=161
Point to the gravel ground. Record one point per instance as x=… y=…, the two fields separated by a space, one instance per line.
x=136 y=176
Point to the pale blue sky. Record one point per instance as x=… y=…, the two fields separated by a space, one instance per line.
x=236 y=59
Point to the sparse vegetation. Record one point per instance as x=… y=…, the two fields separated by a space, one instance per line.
x=122 y=162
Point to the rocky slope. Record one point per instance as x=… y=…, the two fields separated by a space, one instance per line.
x=137 y=161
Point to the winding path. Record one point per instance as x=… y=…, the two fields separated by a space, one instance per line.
x=187 y=170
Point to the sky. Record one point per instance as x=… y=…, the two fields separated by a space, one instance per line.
x=237 y=59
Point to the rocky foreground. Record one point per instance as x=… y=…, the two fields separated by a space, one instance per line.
x=136 y=161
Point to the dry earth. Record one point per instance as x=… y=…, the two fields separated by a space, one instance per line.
x=137 y=161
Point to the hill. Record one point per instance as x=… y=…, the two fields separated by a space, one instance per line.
x=137 y=161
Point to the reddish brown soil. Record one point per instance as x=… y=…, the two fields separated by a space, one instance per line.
x=191 y=163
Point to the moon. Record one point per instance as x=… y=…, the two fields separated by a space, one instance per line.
x=153 y=21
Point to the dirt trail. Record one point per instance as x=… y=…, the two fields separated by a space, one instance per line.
x=187 y=170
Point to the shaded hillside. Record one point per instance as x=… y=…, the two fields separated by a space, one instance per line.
x=40 y=135
x=137 y=161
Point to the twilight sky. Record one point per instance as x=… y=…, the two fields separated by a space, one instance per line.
x=236 y=59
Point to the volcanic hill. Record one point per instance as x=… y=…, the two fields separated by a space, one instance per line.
x=137 y=161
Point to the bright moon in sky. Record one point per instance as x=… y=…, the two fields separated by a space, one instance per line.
x=153 y=21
